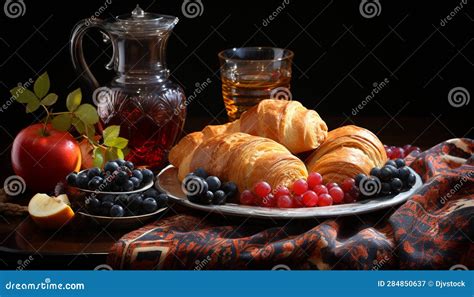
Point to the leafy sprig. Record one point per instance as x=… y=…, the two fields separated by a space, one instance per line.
x=82 y=117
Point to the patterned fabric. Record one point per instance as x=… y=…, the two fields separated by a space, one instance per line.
x=433 y=230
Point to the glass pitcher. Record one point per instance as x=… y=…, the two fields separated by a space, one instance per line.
x=141 y=98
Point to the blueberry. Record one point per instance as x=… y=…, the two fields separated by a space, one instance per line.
x=92 y=204
x=149 y=205
x=385 y=188
x=135 y=181
x=411 y=180
x=125 y=169
x=393 y=169
x=213 y=183
x=229 y=188
x=138 y=174
x=358 y=178
x=135 y=202
x=400 y=163
x=116 y=211
x=120 y=162
x=403 y=173
x=105 y=208
x=375 y=171
x=396 y=185
x=108 y=197
x=206 y=198
x=162 y=200
x=128 y=186
x=147 y=176
x=129 y=165
x=200 y=172
x=385 y=173
x=195 y=186
x=219 y=198
x=122 y=200
x=93 y=172
x=95 y=183
x=121 y=177
x=151 y=193
x=392 y=163
x=115 y=188
x=71 y=179
x=82 y=180
x=111 y=166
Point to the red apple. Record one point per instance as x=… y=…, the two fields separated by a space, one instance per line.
x=43 y=157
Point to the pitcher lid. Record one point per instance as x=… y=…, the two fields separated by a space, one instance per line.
x=141 y=22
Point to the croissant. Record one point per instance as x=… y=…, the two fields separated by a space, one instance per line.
x=287 y=122
x=238 y=157
x=347 y=151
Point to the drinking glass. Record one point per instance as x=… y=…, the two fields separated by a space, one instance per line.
x=251 y=74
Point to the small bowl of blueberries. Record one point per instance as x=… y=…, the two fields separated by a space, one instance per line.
x=119 y=195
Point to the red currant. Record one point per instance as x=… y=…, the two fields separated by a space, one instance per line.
x=320 y=189
x=407 y=148
x=284 y=201
x=330 y=185
x=247 y=198
x=389 y=153
x=310 y=199
x=398 y=152
x=282 y=190
x=355 y=193
x=268 y=201
x=298 y=201
x=348 y=198
x=314 y=179
x=347 y=184
x=324 y=200
x=300 y=186
x=337 y=194
x=262 y=189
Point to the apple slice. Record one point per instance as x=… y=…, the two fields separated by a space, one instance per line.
x=50 y=212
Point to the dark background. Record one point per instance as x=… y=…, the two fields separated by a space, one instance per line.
x=338 y=56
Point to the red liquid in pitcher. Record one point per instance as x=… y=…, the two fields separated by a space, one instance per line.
x=151 y=124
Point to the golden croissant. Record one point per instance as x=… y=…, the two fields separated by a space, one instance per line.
x=238 y=157
x=287 y=122
x=347 y=151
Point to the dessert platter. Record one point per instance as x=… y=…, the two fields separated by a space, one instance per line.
x=255 y=167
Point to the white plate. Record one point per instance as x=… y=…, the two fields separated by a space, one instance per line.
x=167 y=181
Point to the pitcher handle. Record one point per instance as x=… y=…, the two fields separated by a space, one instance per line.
x=77 y=54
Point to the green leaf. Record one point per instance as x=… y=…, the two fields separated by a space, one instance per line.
x=41 y=86
x=111 y=154
x=74 y=100
x=62 y=122
x=111 y=132
x=79 y=125
x=98 y=157
x=23 y=95
x=50 y=99
x=90 y=130
x=118 y=142
x=33 y=106
x=87 y=113
x=120 y=154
